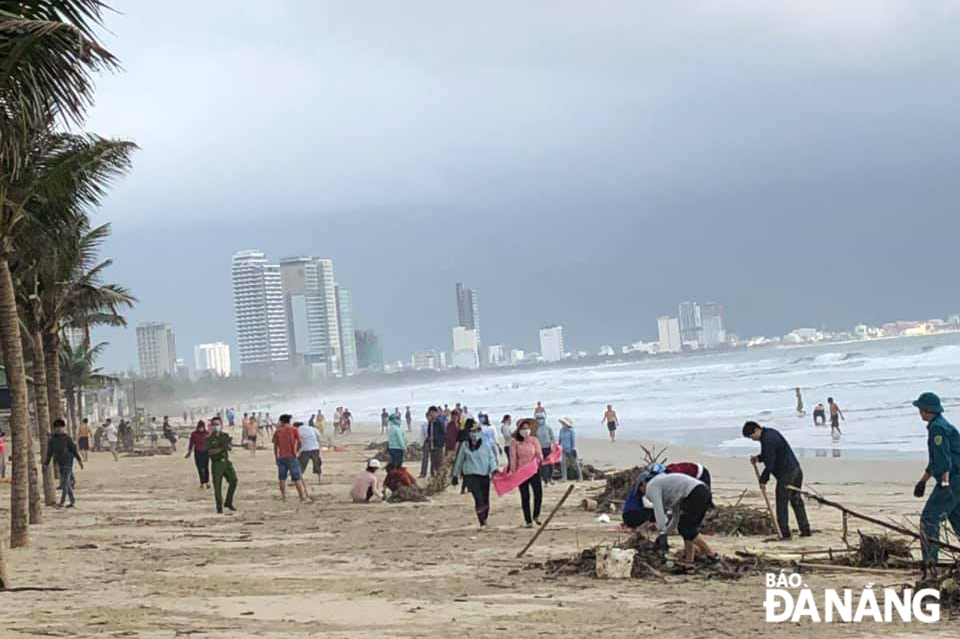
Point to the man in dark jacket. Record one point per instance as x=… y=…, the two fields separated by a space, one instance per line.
x=436 y=435
x=778 y=460
x=64 y=451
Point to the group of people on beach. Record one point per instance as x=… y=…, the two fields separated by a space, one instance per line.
x=820 y=413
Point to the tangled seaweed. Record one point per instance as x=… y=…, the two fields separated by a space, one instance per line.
x=735 y=520
x=406 y=493
x=875 y=551
x=617 y=488
x=413 y=453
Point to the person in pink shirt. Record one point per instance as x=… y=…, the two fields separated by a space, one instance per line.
x=524 y=449
x=365 y=485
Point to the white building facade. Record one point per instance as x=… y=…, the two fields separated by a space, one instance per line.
x=551 y=343
x=668 y=330
x=213 y=358
x=259 y=314
x=156 y=349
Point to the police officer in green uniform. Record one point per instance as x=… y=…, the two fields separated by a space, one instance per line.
x=943 y=444
x=218 y=447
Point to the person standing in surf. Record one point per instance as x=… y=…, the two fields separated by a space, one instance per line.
x=612 y=422
x=835 y=416
x=800 y=411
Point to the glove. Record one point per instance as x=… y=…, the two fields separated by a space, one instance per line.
x=454 y=481
x=919 y=489
x=661 y=544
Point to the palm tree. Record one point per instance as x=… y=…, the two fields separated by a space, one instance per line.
x=49 y=50
x=78 y=372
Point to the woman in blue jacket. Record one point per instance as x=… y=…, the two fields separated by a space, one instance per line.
x=476 y=463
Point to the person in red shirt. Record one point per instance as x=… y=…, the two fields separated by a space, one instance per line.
x=697 y=471
x=198 y=446
x=286 y=447
x=452 y=433
x=398 y=476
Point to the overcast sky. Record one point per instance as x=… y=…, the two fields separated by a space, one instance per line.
x=583 y=163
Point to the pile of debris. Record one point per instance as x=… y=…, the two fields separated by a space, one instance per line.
x=149 y=452
x=407 y=493
x=591 y=472
x=736 y=520
x=439 y=482
x=947 y=583
x=876 y=551
x=651 y=561
x=617 y=488
x=413 y=453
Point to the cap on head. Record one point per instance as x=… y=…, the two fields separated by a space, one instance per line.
x=373 y=463
x=929 y=402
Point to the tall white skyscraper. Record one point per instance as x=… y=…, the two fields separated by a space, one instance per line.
x=714 y=332
x=466 y=347
x=327 y=286
x=348 y=341
x=551 y=343
x=212 y=358
x=691 y=324
x=669 y=331
x=157 y=349
x=313 y=325
x=260 y=314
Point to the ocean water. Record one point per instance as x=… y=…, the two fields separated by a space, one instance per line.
x=703 y=400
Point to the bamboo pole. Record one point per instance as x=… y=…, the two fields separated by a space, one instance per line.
x=872 y=520
x=543 y=527
x=763 y=491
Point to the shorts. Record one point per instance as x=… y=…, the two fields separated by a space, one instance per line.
x=692 y=510
x=611 y=426
x=83 y=443
x=288 y=465
x=704 y=476
x=310 y=456
x=835 y=421
x=252 y=438
x=636 y=518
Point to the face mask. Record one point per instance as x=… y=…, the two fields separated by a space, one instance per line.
x=217 y=428
x=474 y=437
x=524 y=432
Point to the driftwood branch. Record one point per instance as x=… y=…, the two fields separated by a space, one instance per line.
x=544 y=526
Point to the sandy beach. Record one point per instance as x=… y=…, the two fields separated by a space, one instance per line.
x=145 y=555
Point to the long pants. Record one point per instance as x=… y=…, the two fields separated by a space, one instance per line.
x=546 y=470
x=3 y=465
x=425 y=462
x=202 y=459
x=795 y=499
x=396 y=456
x=66 y=484
x=436 y=460
x=533 y=482
x=223 y=470
x=570 y=458
x=479 y=487
x=941 y=504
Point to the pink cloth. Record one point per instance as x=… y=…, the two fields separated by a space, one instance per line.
x=522 y=453
x=503 y=483
x=556 y=454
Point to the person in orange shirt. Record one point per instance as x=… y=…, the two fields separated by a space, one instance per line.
x=286 y=448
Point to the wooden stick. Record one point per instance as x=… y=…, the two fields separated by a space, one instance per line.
x=872 y=520
x=834 y=567
x=544 y=525
x=763 y=491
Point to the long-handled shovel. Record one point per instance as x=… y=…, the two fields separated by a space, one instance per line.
x=773 y=518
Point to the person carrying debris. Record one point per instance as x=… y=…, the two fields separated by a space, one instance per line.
x=687 y=500
x=778 y=460
x=218 y=448
x=524 y=449
x=943 y=446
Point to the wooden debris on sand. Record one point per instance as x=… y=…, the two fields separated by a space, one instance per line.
x=407 y=493
x=735 y=520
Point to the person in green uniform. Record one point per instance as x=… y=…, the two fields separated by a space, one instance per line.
x=218 y=447
x=943 y=445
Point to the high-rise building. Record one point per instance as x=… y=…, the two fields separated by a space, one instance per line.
x=668 y=329
x=468 y=308
x=691 y=324
x=157 y=349
x=369 y=355
x=516 y=356
x=466 y=347
x=551 y=343
x=310 y=300
x=260 y=314
x=427 y=360
x=496 y=356
x=714 y=332
x=213 y=358
x=348 y=342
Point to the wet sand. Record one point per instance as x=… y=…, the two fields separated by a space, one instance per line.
x=145 y=555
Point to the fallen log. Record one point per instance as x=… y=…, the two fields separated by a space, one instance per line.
x=543 y=527
x=872 y=520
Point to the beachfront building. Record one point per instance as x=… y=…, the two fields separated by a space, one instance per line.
x=468 y=308
x=516 y=356
x=691 y=325
x=496 y=355
x=551 y=343
x=466 y=347
x=212 y=359
x=313 y=325
x=427 y=360
x=668 y=330
x=348 y=342
x=156 y=349
x=369 y=355
x=260 y=315
x=713 y=332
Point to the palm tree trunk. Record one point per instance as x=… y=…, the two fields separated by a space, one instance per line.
x=51 y=352
x=19 y=418
x=43 y=414
x=33 y=483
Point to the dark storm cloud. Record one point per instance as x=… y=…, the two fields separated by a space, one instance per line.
x=584 y=163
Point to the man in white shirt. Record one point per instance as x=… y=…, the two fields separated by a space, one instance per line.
x=112 y=438
x=425 y=443
x=309 y=448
